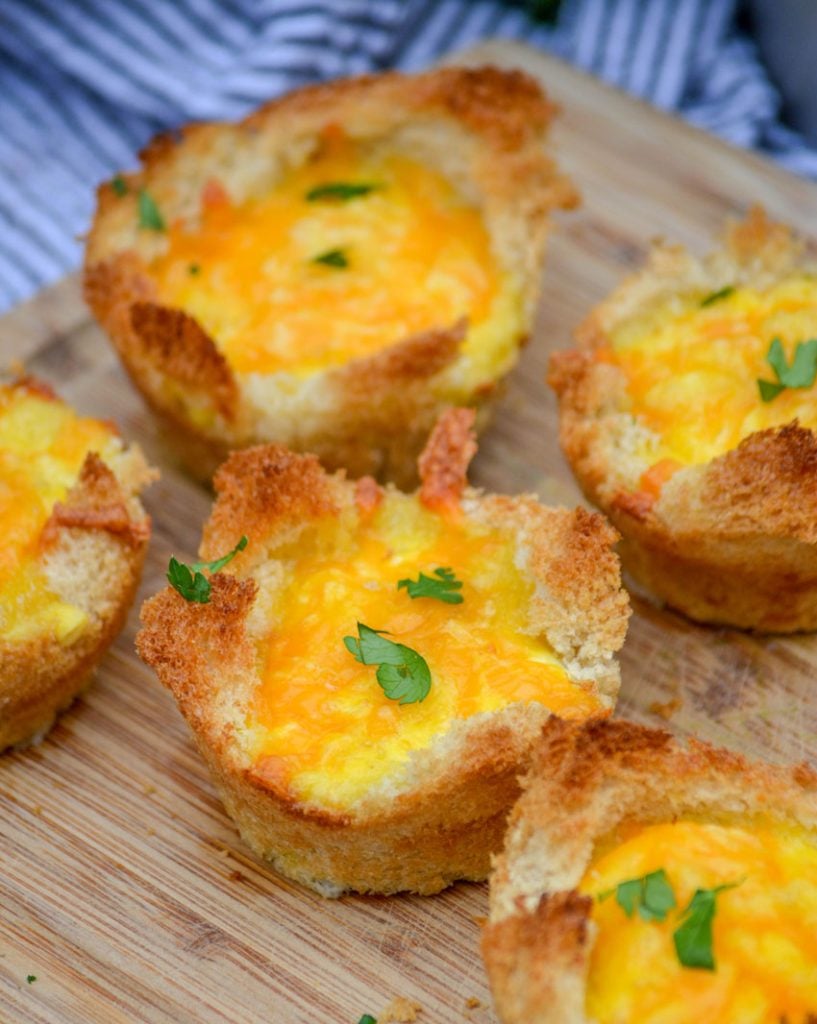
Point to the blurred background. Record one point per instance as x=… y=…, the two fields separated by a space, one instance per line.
x=84 y=84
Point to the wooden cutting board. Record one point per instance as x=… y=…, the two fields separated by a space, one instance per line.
x=125 y=889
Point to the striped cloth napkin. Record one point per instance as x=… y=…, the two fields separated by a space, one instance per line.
x=85 y=83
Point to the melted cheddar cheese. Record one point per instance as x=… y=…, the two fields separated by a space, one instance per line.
x=321 y=721
x=43 y=444
x=764 y=929
x=417 y=257
x=692 y=370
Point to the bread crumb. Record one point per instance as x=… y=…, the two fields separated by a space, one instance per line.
x=150 y=831
x=400 y=1011
x=37 y=809
x=666 y=709
x=472 y=1003
x=148 y=788
x=237 y=876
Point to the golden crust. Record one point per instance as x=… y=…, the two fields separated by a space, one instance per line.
x=92 y=551
x=486 y=128
x=263 y=492
x=730 y=541
x=96 y=502
x=537 y=960
x=586 y=781
x=173 y=343
x=442 y=821
x=446 y=457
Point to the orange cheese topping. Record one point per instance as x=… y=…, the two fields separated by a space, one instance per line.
x=321 y=720
x=692 y=370
x=764 y=930
x=416 y=254
x=43 y=444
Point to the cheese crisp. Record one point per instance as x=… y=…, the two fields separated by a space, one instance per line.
x=334 y=271
x=688 y=413
x=62 y=476
x=366 y=676
x=645 y=883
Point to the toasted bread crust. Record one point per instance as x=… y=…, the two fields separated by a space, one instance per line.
x=485 y=128
x=537 y=961
x=730 y=541
x=445 y=460
x=442 y=819
x=92 y=550
x=173 y=343
x=586 y=780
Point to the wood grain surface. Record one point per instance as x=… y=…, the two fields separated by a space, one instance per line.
x=125 y=889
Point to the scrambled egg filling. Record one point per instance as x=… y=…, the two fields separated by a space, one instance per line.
x=322 y=723
x=764 y=930
x=285 y=283
x=693 y=368
x=43 y=444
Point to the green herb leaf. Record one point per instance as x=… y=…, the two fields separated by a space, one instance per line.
x=444 y=588
x=693 y=937
x=332 y=258
x=402 y=673
x=119 y=185
x=713 y=297
x=367 y=1018
x=219 y=563
x=189 y=580
x=30 y=978
x=651 y=896
x=768 y=390
x=192 y=586
x=658 y=898
x=149 y=214
x=628 y=895
x=339 y=190
x=801 y=373
x=776 y=358
x=803 y=367
x=194 y=269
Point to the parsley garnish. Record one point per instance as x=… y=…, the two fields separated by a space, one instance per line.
x=367 y=1018
x=444 y=588
x=402 y=673
x=30 y=978
x=119 y=185
x=194 y=269
x=713 y=297
x=800 y=374
x=332 y=258
x=149 y=214
x=341 y=190
x=693 y=937
x=189 y=581
x=651 y=895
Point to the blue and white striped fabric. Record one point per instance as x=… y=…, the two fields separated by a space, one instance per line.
x=85 y=83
